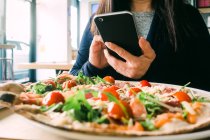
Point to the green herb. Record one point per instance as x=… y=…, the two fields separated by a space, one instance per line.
x=200 y=99
x=59 y=86
x=98 y=79
x=152 y=107
x=148 y=125
x=82 y=79
x=78 y=107
x=41 y=88
x=112 y=98
x=103 y=119
x=184 y=114
x=183 y=87
x=54 y=107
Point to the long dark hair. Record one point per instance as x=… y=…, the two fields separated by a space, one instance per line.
x=170 y=13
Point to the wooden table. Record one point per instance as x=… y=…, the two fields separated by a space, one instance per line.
x=13 y=126
x=46 y=65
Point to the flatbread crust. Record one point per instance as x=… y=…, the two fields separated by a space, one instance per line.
x=93 y=128
x=32 y=112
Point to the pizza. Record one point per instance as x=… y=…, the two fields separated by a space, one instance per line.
x=105 y=106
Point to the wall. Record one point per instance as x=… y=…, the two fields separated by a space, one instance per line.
x=2 y=20
x=51 y=34
x=84 y=14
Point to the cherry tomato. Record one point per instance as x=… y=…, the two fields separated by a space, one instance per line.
x=88 y=95
x=144 y=83
x=109 y=79
x=133 y=91
x=69 y=84
x=115 y=111
x=182 y=96
x=111 y=90
x=102 y=97
x=53 y=98
x=138 y=108
x=128 y=108
x=50 y=82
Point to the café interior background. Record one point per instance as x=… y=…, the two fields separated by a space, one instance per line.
x=47 y=31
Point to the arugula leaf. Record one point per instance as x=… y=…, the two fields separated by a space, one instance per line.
x=41 y=88
x=78 y=107
x=148 y=125
x=98 y=79
x=102 y=119
x=151 y=107
x=59 y=86
x=82 y=79
x=185 y=114
x=200 y=99
x=185 y=86
x=75 y=101
x=112 y=98
x=53 y=107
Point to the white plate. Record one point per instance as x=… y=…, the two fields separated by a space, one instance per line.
x=205 y=133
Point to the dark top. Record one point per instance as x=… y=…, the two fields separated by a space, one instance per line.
x=189 y=63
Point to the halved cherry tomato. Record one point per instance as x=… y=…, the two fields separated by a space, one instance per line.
x=128 y=108
x=88 y=95
x=69 y=84
x=182 y=96
x=111 y=90
x=109 y=79
x=144 y=83
x=138 y=108
x=133 y=91
x=102 y=97
x=115 y=111
x=50 y=82
x=52 y=98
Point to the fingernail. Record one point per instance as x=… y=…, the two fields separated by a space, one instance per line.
x=105 y=52
x=142 y=40
x=107 y=43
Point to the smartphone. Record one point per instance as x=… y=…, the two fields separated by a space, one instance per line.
x=119 y=28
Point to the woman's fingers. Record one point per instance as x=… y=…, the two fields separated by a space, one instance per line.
x=135 y=66
x=120 y=51
x=146 y=49
x=117 y=64
x=96 y=54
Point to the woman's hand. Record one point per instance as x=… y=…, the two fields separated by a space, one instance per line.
x=135 y=66
x=96 y=54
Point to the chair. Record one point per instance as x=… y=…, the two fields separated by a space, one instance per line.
x=6 y=63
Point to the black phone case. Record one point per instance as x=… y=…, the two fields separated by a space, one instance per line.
x=119 y=28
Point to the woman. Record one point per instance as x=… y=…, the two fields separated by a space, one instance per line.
x=176 y=49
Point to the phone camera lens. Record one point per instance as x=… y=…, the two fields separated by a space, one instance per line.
x=101 y=19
